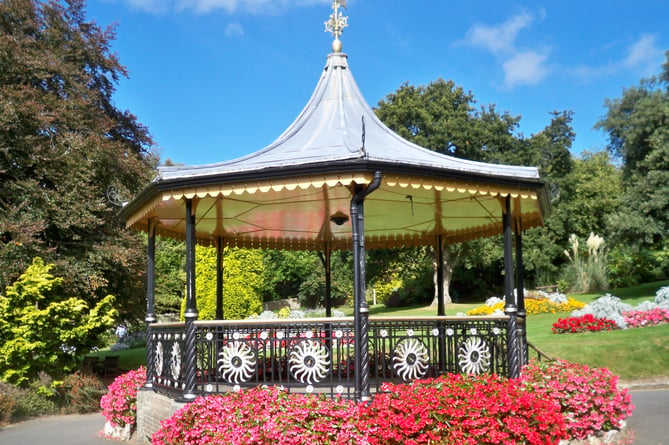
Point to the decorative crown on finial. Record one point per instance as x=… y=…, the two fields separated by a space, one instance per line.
x=336 y=24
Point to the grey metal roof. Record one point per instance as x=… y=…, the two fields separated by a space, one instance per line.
x=330 y=130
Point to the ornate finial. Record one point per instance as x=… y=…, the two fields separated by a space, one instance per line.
x=114 y=196
x=336 y=24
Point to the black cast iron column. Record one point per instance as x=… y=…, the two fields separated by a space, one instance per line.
x=150 y=305
x=190 y=314
x=510 y=308
x=361 y=308
x=219 y=279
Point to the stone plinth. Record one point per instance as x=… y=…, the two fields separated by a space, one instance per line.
x=152 y=408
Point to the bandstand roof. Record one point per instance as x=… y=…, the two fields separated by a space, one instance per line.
x=284 y=195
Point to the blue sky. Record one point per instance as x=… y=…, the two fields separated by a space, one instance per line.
x=217 y=79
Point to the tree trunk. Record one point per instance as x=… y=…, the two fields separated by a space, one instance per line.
x=450 y=257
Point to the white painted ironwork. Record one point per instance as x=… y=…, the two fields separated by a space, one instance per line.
x=309 y=361
x=175 y=361
x=410 y=359
x=236 y=362
x=474 y=356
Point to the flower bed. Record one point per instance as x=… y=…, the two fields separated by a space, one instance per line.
x=532 y=307
x=591 y=323
x=450 y=409
x=585 y=323
x=589 y=398
x=653 y=317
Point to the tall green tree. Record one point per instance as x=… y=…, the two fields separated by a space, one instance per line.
x=170 y=275
x=638 y=128
x=443 y=117
x=63 y=143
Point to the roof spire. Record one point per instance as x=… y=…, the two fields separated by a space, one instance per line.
x=336 y=24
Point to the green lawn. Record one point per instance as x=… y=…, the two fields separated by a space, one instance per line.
x=632 y=354
x=128 y=359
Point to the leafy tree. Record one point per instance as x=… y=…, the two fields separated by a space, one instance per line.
x=443 y=118
x=301 y=275
x=62 y=144
x=242 y=280
x=638 y=127
x=285 y=271
x=43 y=329
x=549 y=150
x=401 y=276
x=170 y=275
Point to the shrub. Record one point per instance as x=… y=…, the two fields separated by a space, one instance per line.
x=590 y=273
x=585 y=323
x=662 y=296
x=119 y=405
x=9 y=395
x=41 y=326
x=589 y=398
x=35 y=403
x=384 y=290
x=80 y=393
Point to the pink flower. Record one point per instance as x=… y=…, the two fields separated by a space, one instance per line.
x=119 y=405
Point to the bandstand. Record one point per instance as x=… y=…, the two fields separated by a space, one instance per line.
x=337 y=178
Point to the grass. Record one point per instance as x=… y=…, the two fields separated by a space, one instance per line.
x=632 y=354
x=128 y=358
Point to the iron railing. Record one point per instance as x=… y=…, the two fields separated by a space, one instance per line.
x=317 y=355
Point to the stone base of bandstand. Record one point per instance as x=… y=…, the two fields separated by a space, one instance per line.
x=152 y=408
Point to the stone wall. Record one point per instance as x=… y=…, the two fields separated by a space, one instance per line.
x=152 y=408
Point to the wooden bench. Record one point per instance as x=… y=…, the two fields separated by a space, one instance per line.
x=90 y=365
x=109 y=366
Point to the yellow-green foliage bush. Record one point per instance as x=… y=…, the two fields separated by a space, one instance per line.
x=533 y=307
x=42 y=325
x=242 y=278
x=385 y=290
